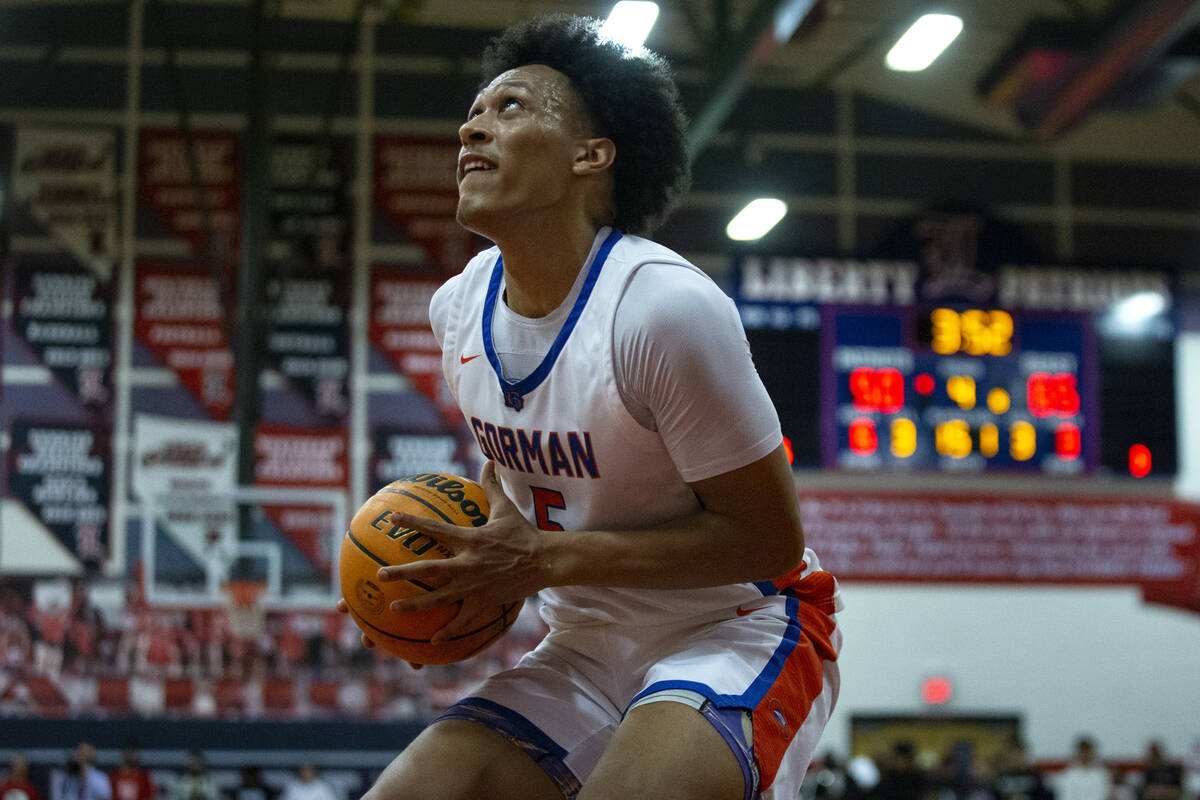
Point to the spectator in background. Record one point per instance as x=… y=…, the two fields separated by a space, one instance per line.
x=828 y=779
x=17 y=785
x=900 y=778
x=81 y=780
x=1016 y=778
x=130 y=781
x=1085 y=777
x=308 y=785
x=195 y=783
x=1161 y=779
x=252 y=786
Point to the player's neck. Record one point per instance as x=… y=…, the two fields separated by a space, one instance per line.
x=540 y=266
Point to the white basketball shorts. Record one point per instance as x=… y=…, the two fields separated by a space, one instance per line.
x=764 y=674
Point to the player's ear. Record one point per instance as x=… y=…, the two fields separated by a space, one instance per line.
x=593 y=156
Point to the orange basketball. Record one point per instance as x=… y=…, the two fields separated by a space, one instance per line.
x=373 y=542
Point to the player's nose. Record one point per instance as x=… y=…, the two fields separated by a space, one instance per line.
x=474 y=131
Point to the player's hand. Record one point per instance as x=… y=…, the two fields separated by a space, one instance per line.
x=367 y=642
x=496 y=564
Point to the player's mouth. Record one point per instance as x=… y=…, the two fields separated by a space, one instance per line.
x=470 y=163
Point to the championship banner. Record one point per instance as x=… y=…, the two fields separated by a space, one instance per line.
x=173 y=456
x=309 y=343
x=166 y=189
x=61 y=474
x=66 y=179
x=308 y=284
x=399 y=327
x=416 y=189
x=64 y=316
x=178 y=317
x=398 y=454
x=310 y=201
x=292 y=458
x=982 y=538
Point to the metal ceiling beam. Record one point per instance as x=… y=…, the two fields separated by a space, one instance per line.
x=770 y=24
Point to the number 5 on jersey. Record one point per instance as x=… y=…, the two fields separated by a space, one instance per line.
x=543 y=501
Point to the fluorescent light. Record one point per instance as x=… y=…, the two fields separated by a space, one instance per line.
x=923 y=42
x=753 y=221
x=629 y=23
x=1138 y=308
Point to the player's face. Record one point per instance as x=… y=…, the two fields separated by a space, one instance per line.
x=518 y=144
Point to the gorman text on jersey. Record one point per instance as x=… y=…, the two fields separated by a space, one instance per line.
x=568 y=454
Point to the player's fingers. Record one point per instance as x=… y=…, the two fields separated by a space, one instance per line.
x=491 y=487
x=342 y=607
x=443 y=532
x=367 y=642
x=460 y=624
x=432 y=570
x=423 y=601
x=415 y=665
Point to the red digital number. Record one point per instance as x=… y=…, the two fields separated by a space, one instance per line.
x=1068 y=443
x=864 y=441
x=1052 y=395
x=877 y=389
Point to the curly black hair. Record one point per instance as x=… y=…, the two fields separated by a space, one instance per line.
x=631 y=96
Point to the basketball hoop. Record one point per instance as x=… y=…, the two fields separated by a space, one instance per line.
x=247 y=617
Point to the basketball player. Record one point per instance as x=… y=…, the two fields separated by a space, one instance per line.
x=635 y=466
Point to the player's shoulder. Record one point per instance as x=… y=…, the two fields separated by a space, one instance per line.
x=660 y=272
x=481 y=262
x=444 y=297
x=636 y=250
x=665 y=290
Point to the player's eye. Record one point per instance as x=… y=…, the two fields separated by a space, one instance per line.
x=509 y=102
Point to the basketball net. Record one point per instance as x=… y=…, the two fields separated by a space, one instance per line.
x=247 y=617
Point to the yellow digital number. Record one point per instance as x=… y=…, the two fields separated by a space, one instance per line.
x=975 y=332
x=976 y=335
x=953 y=438
x=989 y=439
x=1001 y=325
x=1022 y=441
x=904 y=437
x=998 y=401
x=947 y=331
x=961 y=389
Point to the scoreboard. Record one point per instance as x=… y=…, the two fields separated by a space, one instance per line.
x=958 y=388
x=1038 y=375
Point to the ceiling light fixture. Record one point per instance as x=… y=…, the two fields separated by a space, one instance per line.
x=753 y=221
x=923 y=42
x=629 y=23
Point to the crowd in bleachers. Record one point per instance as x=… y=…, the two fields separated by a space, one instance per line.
x=81 y=777
x=904 y=773
x=900 y=774
x=68 y=658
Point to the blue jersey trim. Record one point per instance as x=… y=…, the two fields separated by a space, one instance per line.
x=791 y=638
x=535 y=378
x=761 y=685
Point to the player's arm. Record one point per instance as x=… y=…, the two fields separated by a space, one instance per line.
x=748 y=529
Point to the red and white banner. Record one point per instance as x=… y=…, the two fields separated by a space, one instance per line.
x=178 y=317
x=166 y=188
x=416 y=189
x=399 y=327
x=298 y=458
x=1153 y=543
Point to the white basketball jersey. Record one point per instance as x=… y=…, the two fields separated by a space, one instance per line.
x=567 y=450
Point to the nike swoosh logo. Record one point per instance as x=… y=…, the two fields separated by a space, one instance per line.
x=465 y=359
x=741 y=612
